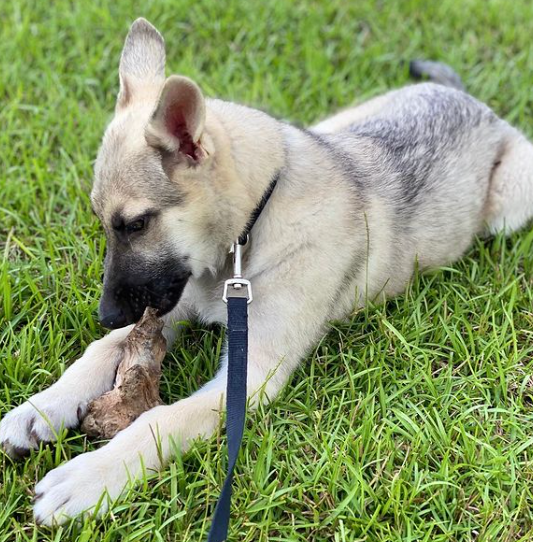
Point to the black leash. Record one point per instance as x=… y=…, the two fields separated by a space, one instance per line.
x=236 y=407
x=237 y=294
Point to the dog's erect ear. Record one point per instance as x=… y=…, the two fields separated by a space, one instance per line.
x=178 y=121
x=142 y=62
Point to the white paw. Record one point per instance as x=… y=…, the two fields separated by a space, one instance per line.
x=86 y=484
x=38 y=420
x=89 y=482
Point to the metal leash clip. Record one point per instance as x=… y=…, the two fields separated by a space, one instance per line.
x=237 y=286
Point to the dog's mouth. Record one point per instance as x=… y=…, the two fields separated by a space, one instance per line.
x=126 y=303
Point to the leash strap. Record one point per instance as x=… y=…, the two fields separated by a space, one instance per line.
x=238 y=295
x=235 y=407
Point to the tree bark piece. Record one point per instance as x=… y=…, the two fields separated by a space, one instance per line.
x=136 y=383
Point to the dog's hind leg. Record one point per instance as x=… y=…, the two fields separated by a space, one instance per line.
x=510 y=199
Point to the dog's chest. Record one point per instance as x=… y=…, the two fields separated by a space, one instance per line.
x=206 y=298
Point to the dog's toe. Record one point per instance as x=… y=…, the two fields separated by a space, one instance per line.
x=52 y=510
x=84 y=485
x=15 y=452
x=37 y=420
x=17 y=432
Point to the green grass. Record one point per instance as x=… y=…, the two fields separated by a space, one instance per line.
x=411 y=422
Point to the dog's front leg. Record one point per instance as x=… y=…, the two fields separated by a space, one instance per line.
x=274 y=350
x=63 y=404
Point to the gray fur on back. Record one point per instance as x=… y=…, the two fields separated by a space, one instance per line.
x=417 y=154
x=417 y=135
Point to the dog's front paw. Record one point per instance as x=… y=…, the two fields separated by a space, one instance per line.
x=89 y=482
x=38 y=420
x=86 y=484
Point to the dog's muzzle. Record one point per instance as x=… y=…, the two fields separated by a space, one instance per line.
x=124 y=304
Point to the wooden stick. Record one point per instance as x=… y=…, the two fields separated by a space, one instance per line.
x=136 y=383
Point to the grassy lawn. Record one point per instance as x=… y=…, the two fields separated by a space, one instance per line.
x=411 y=422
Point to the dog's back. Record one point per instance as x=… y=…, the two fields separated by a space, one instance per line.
x=429 y=161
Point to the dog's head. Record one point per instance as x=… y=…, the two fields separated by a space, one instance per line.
x=153 y=188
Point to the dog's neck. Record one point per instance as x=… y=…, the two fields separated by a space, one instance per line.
x=249 y=149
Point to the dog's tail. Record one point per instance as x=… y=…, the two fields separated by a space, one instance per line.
x=437 y=72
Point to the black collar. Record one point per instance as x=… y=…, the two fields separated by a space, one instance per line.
x=257 y=211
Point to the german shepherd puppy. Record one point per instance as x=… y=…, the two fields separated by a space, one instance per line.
x=409 y=178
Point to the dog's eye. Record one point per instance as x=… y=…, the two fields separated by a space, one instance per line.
x=135 y=226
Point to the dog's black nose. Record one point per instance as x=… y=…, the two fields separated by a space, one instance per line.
x=110 y=313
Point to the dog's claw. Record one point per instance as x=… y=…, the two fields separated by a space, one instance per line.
x=15 y=452
x=37 y=420
x=36 y=497
x=75 y=488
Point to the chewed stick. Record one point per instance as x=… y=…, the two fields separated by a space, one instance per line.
x=136 y=383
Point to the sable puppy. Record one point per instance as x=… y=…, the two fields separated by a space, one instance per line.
x=136 y=387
